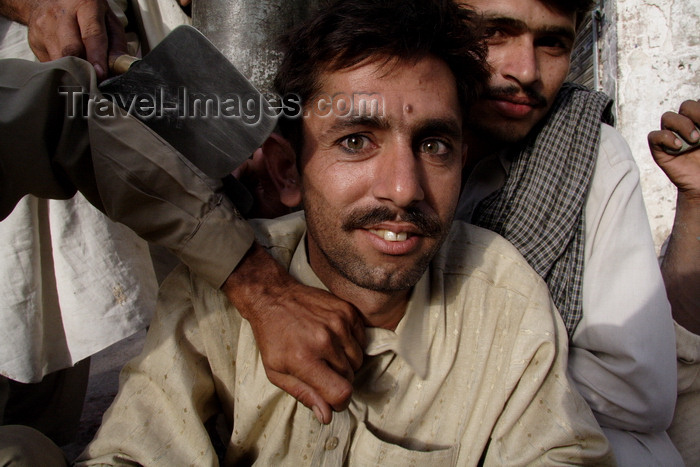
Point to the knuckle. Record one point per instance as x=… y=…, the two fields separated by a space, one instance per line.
x=322 y=337
x=72 y=50
x=341 y=398
x=337 y=324
x=38 y=22
x=274 y=362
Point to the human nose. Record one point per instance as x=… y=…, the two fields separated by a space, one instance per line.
x=520 y=63
x=398 y=178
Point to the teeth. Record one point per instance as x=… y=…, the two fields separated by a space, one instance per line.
x=390 y=236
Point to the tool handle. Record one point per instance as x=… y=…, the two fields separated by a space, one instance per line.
x=120 y=64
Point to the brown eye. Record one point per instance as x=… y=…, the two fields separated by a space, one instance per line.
x=432 y=147
x=354 y=143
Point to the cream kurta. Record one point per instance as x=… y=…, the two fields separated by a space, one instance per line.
x=477 y=366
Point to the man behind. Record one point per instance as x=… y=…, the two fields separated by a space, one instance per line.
x=466 y=357
x=554 y=179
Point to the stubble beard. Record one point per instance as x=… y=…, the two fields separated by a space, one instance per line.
x=344 y=259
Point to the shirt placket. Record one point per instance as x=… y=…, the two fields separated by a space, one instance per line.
x=333 y=441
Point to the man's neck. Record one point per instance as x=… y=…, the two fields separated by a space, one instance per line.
x=378 y=309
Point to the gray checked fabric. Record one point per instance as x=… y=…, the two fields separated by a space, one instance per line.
x=540 y=208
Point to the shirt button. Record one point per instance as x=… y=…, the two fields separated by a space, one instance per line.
x=331 y=443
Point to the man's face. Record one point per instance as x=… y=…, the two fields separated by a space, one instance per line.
x=529 y=49
x=380 y=190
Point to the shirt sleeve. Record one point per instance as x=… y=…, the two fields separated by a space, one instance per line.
x=32 y=134
x=166 y=394
x=622 y=355
x=545 y=421
x=116 y=161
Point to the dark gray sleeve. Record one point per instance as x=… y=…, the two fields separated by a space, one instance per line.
x=54 y=141
x=43 y=150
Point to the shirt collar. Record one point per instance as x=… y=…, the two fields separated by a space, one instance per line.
x=413 y=336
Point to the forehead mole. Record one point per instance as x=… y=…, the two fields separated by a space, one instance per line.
x=408 y=109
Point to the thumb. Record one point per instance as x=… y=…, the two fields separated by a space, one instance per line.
x=304 y=394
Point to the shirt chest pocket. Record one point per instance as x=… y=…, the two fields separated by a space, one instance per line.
x=368 y=450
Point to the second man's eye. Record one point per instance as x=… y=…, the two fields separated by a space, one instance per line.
x=433 y=147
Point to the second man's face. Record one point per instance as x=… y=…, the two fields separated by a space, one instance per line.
x=529 y=51
x=381 y=171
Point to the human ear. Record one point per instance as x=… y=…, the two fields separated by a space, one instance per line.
x=280 y=160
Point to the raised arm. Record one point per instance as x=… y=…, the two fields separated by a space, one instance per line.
x=681 y=263
x=82 y=28
x=310 y=340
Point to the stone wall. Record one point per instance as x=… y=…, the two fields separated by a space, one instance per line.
x=656 y=45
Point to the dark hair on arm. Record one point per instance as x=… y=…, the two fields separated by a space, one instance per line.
x=348 y=32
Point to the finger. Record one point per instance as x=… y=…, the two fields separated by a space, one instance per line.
x=680 y=124
x=333 y=388
x=691 y=109
x=354 y=353
x=304 y=394
x=358 y=331
x=664 y=142
x=91 y=17
x=117 y=38
x=353 y=346
x=327 y=346
x=37 y=46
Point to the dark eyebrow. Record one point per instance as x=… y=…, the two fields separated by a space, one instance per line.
x=372 y=121
x=521 y=26
x=559 y=31
x=504 y=21
x=445 y=127
x=434 y=126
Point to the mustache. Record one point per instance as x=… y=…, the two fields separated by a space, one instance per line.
x=427 y=225
x=511 y=91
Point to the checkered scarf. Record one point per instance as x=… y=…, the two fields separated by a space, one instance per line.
x=540 y=209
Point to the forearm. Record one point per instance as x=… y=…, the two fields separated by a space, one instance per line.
x=622 y=355
x=256 y=277
x=42 y=147
x=150 y=187
x=681 y=264
x=119 y=164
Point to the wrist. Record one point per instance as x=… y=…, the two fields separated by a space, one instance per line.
x=687 y=217
x=688 y=199
x=256 y=278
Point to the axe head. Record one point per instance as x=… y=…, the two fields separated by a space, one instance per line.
x=194 y=98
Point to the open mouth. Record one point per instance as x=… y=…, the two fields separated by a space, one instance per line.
x=390 y=236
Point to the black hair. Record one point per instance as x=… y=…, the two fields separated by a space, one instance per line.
x=345 y=33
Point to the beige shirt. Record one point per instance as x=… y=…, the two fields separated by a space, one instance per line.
x=477 y=366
